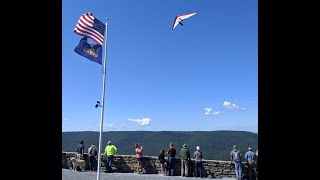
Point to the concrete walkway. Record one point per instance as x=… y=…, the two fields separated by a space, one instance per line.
x=68 y=174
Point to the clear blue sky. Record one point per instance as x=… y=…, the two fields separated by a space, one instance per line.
x=202 y=76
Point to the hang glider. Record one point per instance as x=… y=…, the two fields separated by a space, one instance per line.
x=180 y=18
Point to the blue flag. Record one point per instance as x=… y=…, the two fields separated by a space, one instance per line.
x=91 y=52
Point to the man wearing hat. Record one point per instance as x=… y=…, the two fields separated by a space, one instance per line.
x=251 y=158
x=185 y=158
x=110 y=151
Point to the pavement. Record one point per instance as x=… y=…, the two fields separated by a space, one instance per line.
x=68 y=174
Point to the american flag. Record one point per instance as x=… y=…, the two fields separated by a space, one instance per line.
x=91 y=27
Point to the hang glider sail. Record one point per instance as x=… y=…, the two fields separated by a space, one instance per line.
x=180 y=18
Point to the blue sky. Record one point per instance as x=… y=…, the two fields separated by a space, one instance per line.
x=202 y=76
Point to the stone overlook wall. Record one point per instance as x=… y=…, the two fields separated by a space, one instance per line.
x=127 y=164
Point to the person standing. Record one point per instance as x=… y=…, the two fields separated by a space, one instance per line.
x=185 y=158
x=171 y=158
x=109 y=151
x=236 y=156
x=139 y=156
x=251 y=159
x=92 y=152
x=198 y=163
x=257 y=156
x=162 y=161
x=80 y=150
x=256 y=165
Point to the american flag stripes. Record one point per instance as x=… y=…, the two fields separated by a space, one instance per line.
x=91 y=27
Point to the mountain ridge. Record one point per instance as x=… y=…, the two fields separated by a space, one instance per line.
x=215 y=145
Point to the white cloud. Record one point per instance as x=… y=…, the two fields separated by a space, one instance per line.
x=123 y=126
x=210 y=111
x=216 y=112
x=110 y=126
x=141 y=122
x=113 y=126
x=207 y=111
x=231 y=106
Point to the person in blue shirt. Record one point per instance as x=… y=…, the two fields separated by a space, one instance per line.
x=251 y=161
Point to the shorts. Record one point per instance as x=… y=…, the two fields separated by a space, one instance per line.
x=162 y=165
x=140 y=159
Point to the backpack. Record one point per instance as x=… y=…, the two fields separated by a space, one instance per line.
x=93 y=152
x=236 y=156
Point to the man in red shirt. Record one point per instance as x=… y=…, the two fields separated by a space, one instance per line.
x=171 y=158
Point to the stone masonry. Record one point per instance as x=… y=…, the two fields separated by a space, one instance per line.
x=127 y=164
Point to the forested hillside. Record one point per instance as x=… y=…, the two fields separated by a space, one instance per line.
x=215 y=145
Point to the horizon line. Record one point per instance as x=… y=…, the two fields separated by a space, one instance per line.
x=160 y=131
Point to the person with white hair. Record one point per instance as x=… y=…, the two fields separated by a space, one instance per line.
x=198 y=163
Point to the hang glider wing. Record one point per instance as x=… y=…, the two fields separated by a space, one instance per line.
x=180 y=18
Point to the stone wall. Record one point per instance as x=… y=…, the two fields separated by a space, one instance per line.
x=127 y=164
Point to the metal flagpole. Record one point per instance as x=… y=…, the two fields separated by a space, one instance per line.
x=102 y=106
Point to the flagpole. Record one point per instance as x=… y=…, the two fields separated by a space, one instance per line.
x=102 y=106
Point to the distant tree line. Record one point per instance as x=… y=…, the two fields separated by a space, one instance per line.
x=215 y=145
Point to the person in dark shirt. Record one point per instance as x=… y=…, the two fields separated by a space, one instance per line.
x=251 y=161
x=80 y=151
x=198 y=163
x=162 y=162
x=171 y=158
x=92 y=157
